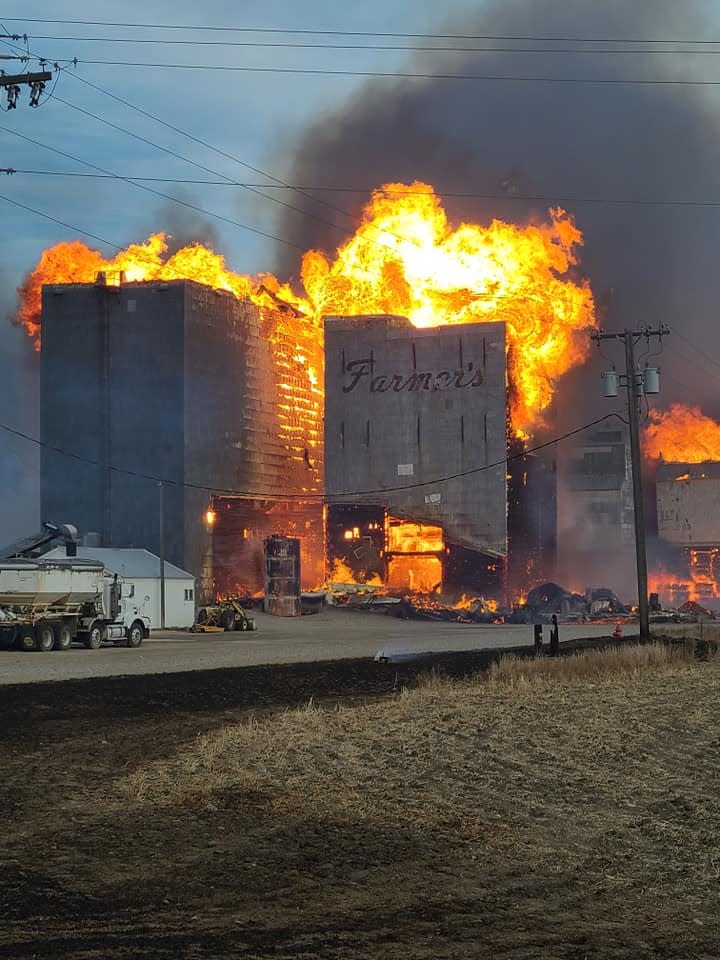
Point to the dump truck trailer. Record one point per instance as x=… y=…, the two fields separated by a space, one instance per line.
x=49 y=604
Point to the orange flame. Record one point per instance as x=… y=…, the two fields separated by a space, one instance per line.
x=406 y=259
x=341 y=573
x=682 y=434
x=403 y=259
x=407 y=566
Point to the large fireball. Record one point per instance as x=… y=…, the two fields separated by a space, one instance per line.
x=404 y=258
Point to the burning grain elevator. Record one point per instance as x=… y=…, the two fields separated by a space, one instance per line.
x=215 y=396
x=221 y=399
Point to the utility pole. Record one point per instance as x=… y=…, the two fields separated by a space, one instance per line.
x=638 y=383
x=161 y=507
x=12 y=82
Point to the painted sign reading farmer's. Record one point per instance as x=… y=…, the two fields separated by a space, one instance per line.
x=359 y=372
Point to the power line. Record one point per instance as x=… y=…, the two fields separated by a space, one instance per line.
x=228 y=180
x=396 y=74
x=701 y=353
x=291 y=45
x=350 y=33
x=63 y=223
x=229 y=156
x=302 y=496
x=152 y=190
x=178 y=156
x=209 y=146
x=251 y=189
x=448 y=194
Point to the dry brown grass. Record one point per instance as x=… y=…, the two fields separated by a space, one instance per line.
x=414 y=758
x=592 y=665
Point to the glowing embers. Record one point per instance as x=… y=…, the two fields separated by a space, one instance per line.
x=701 y=586
x=414 y=556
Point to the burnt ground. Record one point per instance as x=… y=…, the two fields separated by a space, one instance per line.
x=201 y=815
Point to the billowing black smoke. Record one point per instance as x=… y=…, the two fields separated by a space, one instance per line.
x=611 y=141
x=604 y=142
x=183 y=225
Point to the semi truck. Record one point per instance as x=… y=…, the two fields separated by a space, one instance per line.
x=49 y=604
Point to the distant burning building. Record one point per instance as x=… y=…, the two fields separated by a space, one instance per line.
x=415 y=446
x=216 y=396
x=688 y=512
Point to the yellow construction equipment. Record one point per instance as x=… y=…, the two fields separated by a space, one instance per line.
x=225 y=615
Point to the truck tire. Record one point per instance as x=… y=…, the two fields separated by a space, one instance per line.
x=44 y=637
x=63 y=637
x=227 y=620
x=26 y=639
x=93 y=638
x=244 y=625
x=135 y=634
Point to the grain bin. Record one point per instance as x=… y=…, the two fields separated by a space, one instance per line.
x=282 y=576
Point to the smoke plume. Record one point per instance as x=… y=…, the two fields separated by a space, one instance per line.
x=606 y=142
x=184 y=226
x=506 y=140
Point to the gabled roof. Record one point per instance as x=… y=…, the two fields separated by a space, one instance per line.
x=125 y=562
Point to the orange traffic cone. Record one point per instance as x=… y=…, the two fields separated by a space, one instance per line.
x=617 y=634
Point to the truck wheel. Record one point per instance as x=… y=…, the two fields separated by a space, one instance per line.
x=135 y=634
x=244 y=625
x=227 y=620
x=26 y=639
x=44 y=637
x=93 y=639
x=63 y=637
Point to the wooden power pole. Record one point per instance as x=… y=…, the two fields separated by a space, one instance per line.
x=638 y=383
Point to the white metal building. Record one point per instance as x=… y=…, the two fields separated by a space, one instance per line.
x=142 y=569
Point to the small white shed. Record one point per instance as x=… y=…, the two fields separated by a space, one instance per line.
x=142 y=568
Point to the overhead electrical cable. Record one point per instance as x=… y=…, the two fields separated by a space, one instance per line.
x=158 y=193
x=265 y=495
x=220 y=152
x=398 y=74
x=251 y=189
x=235 y=159
x=447 y=194
x=412 y=48
x=178 y=156
x=215 y=28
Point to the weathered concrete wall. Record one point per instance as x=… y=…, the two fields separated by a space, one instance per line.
x=688 y=503
x=406 y=408
x=111 y=391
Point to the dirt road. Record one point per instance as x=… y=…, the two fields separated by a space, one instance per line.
x=332 y=634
